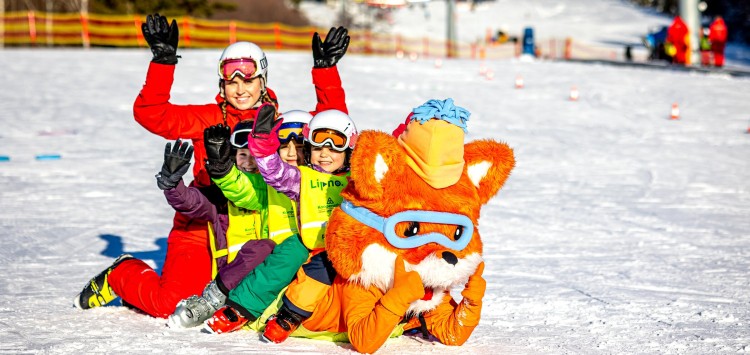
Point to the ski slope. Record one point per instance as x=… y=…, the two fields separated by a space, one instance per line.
x=619 y=231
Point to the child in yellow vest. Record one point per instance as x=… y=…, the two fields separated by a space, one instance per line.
x=329 y=139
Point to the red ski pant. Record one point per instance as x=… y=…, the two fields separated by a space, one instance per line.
x=718 y=50
x=186 y=271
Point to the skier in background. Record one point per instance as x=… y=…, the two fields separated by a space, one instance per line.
x=718 y=39
x=705 y=48
x=678 y=43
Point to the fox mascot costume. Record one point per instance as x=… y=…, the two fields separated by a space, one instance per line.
x=406 y=233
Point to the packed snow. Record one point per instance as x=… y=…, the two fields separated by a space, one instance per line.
x=619 y=231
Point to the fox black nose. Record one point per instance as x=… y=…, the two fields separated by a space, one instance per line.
x=450 y=258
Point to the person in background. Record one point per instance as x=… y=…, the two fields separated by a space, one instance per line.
x=705 y=48
x=677 y=44
x=718 y=38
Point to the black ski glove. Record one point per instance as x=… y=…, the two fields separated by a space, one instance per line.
x=176 y=164
x=218 y=150
x=328 y=53
x=162 y=38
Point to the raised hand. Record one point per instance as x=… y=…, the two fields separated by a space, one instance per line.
x=327 y=54
x=218 y=151
x=474 y=290
x=162 y=37
x=176 y=164
x=264 y=140
x=407 y=288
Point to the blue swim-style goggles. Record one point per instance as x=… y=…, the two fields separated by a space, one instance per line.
x=291 y=131
x=387 y=226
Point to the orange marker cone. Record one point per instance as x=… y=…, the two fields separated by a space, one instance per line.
x=675 y=113
x=573 y=94
x=490 y=74
x=519 y=82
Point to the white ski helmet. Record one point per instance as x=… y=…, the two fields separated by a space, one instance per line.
x=332 y=127
x=294 y=116
x=293 y=125
x=235 y=53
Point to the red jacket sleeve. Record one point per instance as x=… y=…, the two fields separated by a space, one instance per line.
x=153 y=111
x=328 y=90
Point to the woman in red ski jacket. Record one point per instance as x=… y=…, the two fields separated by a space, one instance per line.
x=243 y=88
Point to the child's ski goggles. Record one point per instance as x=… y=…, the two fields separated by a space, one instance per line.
x=291 y=131
x=387 y=226
x=245 y=67
x=238 y=139
x=322 y=136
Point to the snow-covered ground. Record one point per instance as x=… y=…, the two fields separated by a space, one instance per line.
x=619 y=231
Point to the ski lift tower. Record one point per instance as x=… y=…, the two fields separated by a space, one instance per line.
x=690 y=14
x=450 y=40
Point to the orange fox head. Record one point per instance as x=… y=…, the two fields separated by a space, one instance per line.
x=441 y=241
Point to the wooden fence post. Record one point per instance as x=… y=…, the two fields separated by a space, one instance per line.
x=185 y=30
x=85 y=30
x=32 y=27
x=138 y=33
x=277 y=34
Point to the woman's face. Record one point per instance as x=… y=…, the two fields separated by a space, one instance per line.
x=243 y=94
x=328 y=159
x=292 y=153
x=245 y=161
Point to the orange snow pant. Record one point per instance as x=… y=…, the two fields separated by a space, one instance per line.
x=186 y=271
x=313 y=280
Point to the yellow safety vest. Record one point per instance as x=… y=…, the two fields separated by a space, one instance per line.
x=243 y=225
x=319 y=194
x=282 y=216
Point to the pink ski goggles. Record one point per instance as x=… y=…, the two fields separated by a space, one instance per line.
x=246 y=67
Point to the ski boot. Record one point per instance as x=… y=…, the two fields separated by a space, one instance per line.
x=194 y=310
x=97 y=292
x=281 y=325
x=225 y=320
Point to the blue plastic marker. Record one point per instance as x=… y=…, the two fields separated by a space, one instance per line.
x=4 y=158
x=48 y=157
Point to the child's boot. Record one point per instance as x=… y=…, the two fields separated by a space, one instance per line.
x=194 y=310
x=225 y=320
x=281 y=325
x=97 y=292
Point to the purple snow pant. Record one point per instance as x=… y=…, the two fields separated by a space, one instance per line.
x=252 y=254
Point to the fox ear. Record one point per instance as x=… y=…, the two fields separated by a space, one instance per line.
x=371 y=160
x=488 y=164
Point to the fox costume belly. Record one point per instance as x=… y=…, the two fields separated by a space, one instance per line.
x=407 y=232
